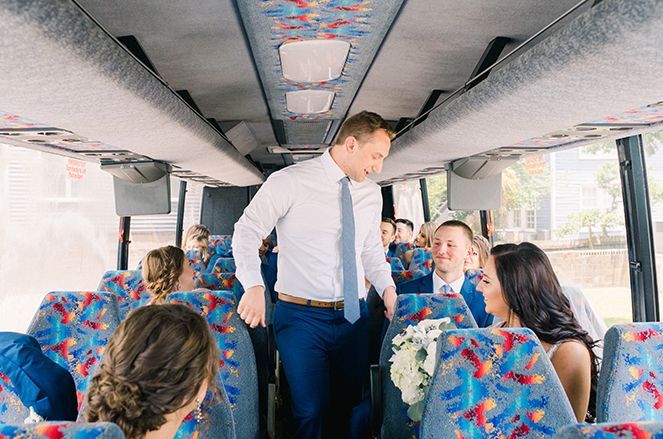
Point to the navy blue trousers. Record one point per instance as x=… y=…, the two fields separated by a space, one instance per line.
x=325 y=359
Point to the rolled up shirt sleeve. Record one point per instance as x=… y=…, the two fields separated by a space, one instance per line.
x=270 y=203
x=376 y=267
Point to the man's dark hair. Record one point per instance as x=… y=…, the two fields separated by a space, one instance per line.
x=405 y=221
x=362 y=125
x=455 y=223
x=390 y=221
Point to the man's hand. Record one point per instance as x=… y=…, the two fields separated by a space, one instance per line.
x=251 y=307
x=389 y=299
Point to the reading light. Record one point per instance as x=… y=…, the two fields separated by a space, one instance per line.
x=309 y=101
x=313 y=60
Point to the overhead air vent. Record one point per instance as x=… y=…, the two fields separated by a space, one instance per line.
x=309 y=101
x=313 y=60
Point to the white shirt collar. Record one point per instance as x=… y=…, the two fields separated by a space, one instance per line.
x=456 y=285
x=332 y=170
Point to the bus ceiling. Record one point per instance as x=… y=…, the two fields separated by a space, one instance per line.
x=209 y=89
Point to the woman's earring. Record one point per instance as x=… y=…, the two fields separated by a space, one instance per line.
x=198 y=412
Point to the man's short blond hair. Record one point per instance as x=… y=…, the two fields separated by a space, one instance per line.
x=363 y=125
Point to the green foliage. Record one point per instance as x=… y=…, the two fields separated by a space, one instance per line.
x=592 y=220
x=522 y=190
x=607 y=178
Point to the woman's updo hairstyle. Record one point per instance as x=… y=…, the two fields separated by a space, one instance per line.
x=156 y=362
x=162 y=268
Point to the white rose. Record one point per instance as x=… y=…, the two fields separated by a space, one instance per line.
x=429 y=363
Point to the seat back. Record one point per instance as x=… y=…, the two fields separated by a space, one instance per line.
x=410 y=309
x=631 y=380
x=422 y=260
x=222 y=265
x=221 y=246
x=237 y=363
x=396 y=264
x=63 y=430
x=401 y=249
x=129 y=288
x=196 y=261
x=12 y=410
x=73 y=329
x=220 y=281
x=494 y=383
x=216 y=421
x=406 y=275
x=626 y=430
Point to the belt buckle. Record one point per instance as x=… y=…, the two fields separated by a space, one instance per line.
x=338 y=305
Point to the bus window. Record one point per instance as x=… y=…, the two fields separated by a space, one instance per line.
x=408 y=203
x=194 y=200
x=653 y=144
x=152 y=231
x=439 y=212
x=58 y=229
x=569 y=203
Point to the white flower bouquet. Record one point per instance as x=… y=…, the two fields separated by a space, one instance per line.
x=413 y=362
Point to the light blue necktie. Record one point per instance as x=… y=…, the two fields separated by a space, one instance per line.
x=446 y=289
x=350 y=292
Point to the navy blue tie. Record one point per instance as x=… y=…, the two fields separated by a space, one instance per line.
x=350 y=291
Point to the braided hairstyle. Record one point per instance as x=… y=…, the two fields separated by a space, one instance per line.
x=532 y=291
x=156 y=363
x=162 y=268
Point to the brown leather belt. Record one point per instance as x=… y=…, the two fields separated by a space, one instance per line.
x=314 y=303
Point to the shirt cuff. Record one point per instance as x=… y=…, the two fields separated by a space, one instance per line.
x=250 y=280
x=382 y=283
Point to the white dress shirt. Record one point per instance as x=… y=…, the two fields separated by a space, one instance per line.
x=303 y=201
x=456 y=285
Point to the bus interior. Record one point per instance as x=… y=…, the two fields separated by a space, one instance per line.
x=123 y=123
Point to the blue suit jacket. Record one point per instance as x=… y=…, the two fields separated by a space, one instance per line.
x=37 y=381
x=474 y=299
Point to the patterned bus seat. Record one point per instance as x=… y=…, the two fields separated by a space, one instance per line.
x=407 y=275
x=237 y=363
x=73 y=329
x=222 y=265
x=410 y=309
x=494 y=383
x=626 y=430
x=220 y=281
x=12 y=410
x=129 y=288
x=221 y=246
x=422 y=259
x=196 y=261
x=631 y=381
x=401 y=249
x=62 y=430
x=396 y=264
x=217 y=419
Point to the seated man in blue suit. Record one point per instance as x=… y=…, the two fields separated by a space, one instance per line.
x=452 y=243
x=388 y=234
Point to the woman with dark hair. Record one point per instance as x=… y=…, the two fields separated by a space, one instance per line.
x=158 y=367
x=520 y=287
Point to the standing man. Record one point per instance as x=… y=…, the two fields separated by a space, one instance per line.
x=327 y=216
x=404 y=230
x=452 y=243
